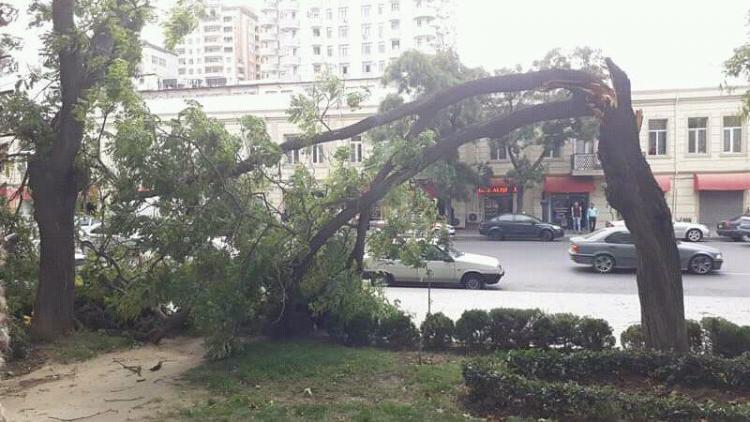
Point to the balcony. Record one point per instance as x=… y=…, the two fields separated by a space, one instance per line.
x=269 y=67
x=268 y=51
x=585 y=165
x=288 y=23
x=290 y=60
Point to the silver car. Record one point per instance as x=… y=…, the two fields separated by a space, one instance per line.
x=443 y=265
x=611 y=248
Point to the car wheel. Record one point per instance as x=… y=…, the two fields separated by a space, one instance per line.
x=604 y=263
x=694 y=235
x=547 y=236
x=701 y=264
x=473 y=282
x=496 y=234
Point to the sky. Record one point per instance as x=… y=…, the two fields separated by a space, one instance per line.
x=662 y=44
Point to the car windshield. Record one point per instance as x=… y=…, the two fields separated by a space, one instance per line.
x=454 y=252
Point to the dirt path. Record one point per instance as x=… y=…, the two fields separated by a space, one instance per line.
x=101 y=389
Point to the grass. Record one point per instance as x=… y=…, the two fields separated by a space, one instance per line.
x=84 y=345
x=314 y=380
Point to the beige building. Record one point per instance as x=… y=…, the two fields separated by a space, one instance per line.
x=696 y=146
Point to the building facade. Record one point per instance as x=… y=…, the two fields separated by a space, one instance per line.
x=693 y=140
x=157 y=69
x=350 y=38
x=222 y=50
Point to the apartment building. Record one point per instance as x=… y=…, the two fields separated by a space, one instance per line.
x=222 y=50
x=350 y=38
x=693 y=140
x=157 y=69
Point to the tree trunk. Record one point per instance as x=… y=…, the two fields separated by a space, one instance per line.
x=519 y=200
x=633 y=191
x=54 y=195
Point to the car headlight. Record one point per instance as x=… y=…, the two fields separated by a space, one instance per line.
x=719 y=256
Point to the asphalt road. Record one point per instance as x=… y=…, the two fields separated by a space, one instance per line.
x=535 y=266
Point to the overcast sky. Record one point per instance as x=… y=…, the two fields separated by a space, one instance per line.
x=660 y=43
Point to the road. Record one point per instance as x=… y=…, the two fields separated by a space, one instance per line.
x=540 y=275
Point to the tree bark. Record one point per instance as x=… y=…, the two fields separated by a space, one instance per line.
x=54 y=195
x=633 y=191
x=519 y=199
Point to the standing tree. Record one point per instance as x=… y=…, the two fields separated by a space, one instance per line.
x=90 y=54
x=739 y=66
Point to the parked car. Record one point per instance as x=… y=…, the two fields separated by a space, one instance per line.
x=444 y=265
x=611 y=248
x=692 y=232
x=379 y=224
x=730 y=228
x=519 y=226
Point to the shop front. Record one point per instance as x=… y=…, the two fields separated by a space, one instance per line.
x=497 y=198
x=561 y=193
x=721 y=196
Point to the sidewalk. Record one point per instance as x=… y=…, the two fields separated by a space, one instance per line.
x=619 y=310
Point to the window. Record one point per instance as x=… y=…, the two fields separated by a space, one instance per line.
x=329 y=32
x=697 y=135
x=381 y=66
x=344 y=69
x=583 y=146
x=316 y=68
x=227 y=19
x=292 y=157
x=318 y=156
x=315 y=13
x=342 y=12
x=394 y=6
x=366 y=49
x=343 y=31
x=154 y=60
x=181 y=61
x=381 y=47
x=657 y=137
x=181 y=71
x=395 y=24
x=732 y=134
x=365 y=32
x=228 y=29
x=498 y=150
x=228 y=49
x=366 y=67
x=624 y=238
x=395 y=44
x=380 y=8
x=381 y=30
x=366 y=10
x=316 y=50
x=504 y=217
x=316 y=32
x=330 y=50
x=329 y=13
x=525 y=219
x=343 y=50
x=355 y=149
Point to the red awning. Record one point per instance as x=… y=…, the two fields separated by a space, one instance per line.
x=497 y=185
x=568 y=184
x=721 y=181
x=664 y=181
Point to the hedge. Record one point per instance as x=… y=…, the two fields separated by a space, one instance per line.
x=675 y=369
x=711 y=335
x=501 y=392
x=437 y=331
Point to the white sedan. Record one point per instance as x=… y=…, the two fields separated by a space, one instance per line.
x=447 y=266
x=692 y=232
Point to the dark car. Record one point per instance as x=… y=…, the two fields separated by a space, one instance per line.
x=519 y=226
x=731 y=228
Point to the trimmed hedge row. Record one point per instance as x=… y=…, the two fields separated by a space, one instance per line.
x=711 y=335
x=505 y=393
x=674 y=369
x=503 y=329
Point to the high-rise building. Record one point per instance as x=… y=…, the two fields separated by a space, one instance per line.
x=351 y=38
x=222 y=49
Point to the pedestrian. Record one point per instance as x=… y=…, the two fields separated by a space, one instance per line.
x=577 y=213
x=592 y=215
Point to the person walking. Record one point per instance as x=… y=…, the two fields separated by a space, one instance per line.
x=593 y=214
x=576 y=212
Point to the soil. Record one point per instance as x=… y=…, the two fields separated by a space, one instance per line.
x=109 y=386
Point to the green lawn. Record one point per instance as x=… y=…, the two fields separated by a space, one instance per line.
x=314 y=380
